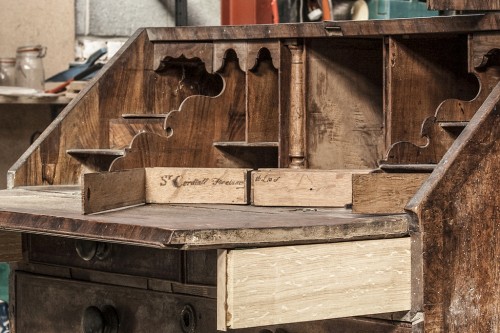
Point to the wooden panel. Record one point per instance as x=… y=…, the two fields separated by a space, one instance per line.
x=55 y=305
x=464 y=4
x=109 y=190
x=201 y=51
x=122 y=131
x=194 y=128
x=420 y=75
x=384 y=193
x=11 y=248
x=462 y=23
x=120 y=259
x=262 y=101
x=200 y=185
x=456 y=225
x=57 y=212
x=344 y=103
x=278 y=187
x=312 y=282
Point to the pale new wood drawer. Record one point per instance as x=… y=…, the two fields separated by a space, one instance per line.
x=287 y=284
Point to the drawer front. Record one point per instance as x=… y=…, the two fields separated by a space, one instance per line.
x=52 y=305
x=116 y=258
x=56 y=305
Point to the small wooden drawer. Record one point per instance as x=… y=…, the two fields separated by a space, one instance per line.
x=193 y=267
x=106 y=257
x=288 y=284
x=53 y=305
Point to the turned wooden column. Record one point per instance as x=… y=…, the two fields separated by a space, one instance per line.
x=297 y=109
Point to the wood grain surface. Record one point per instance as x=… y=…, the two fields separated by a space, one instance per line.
x=11 y=248
x=301 y=283
x=197 y=185
x=58 y=212
x=384 y=193
x=457 y=216
x=344 y=119
x=110 y=190
x=466 y=23
x=316 y=188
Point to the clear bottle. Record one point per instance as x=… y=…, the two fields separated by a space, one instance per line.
x=7 y=71
x=29 y=67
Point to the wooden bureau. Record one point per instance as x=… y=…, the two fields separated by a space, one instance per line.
x=396 y=113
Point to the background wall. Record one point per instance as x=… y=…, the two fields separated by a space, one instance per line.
x=61 y=25
x=47 y=22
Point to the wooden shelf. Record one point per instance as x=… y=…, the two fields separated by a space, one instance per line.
x=58 y=100
x=243 y=144
x=143 y=115
x=408 y=167
x=101 y=152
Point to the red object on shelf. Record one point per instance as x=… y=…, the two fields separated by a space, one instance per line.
x=239 y=12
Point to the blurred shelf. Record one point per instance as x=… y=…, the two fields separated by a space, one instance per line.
x=56 y=100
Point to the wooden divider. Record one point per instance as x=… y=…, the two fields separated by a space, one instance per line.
x=307 y=188
x=384 y=193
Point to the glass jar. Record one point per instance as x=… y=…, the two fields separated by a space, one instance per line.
x=29 y=67
x=7 y=71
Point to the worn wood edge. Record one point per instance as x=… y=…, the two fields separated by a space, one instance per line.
x=93 y=83
x=213 y=195
x=393 y=226
x=88 y=227
x=379 y=28
x=414 y=26
x=234 y=263
x=11 y=247
x=110 y=190
x=221 y=290
x=384 y=193
x=453 y=152
x=271 y=191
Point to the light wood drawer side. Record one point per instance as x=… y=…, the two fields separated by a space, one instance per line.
x=269 y=286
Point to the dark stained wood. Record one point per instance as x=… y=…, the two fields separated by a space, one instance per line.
x=42 y=302
x=414 y=26
x=284 y=105
x=201 y=267
x=380 y=28
x=165 y=51
x=436 y=142
x=10 y=246
x=457 y=215
x=82 y=124
x=344 y=103
x=421 y=74
x=122 y=131
x=263 y=108
x=464 y=4
x=192 y=129
x=189 y=226
x=121 y=259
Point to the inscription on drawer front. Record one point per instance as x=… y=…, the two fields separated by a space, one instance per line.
x=122 y=259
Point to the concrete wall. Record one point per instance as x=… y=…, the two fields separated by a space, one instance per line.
x=47 y=22
x=111 y=18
